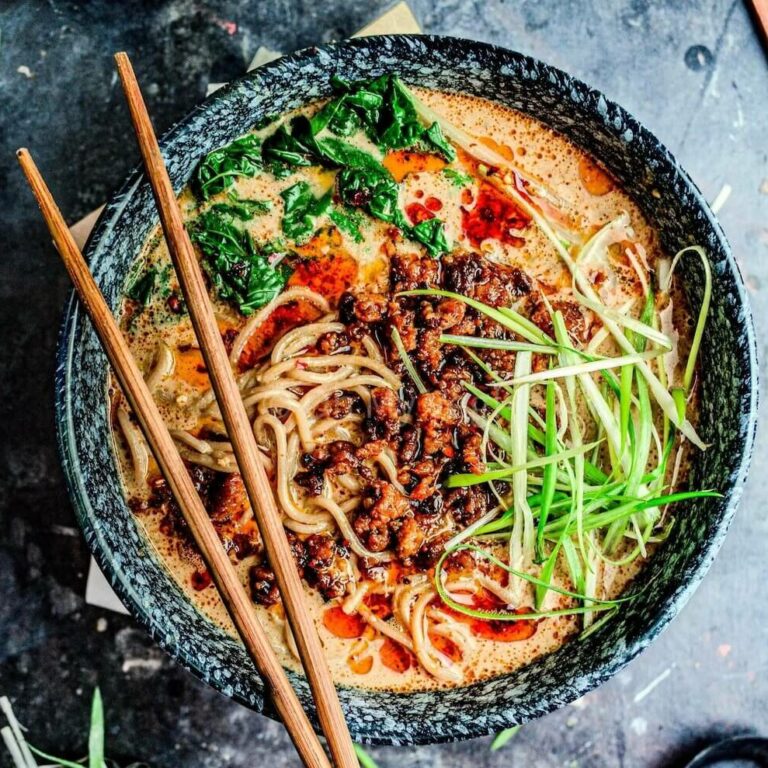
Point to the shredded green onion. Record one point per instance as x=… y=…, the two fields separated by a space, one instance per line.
x=407 y=362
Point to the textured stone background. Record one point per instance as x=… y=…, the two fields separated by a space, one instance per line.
x=693 y=72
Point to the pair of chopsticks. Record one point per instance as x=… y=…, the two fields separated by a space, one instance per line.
x=232 y=592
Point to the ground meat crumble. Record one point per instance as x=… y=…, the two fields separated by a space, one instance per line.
x=426 y=434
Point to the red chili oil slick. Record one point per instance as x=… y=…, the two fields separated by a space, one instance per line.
x=446 y=646
x=416 y=213
x=499 y=630
x=404 y=162
x=345 y=625
x=395 y=657
x=380 y=605
x=494 y=217
x=284 y=318
x=201 y=580
x=503 y=631
x=327 y=274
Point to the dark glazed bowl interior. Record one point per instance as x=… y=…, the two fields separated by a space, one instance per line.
x=729 y=383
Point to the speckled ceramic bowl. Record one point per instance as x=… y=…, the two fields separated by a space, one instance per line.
x=729 y=387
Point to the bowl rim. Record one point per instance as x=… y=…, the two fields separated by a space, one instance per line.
x=470 y=729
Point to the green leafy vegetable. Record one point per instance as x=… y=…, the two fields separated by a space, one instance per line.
x=238 y=270
x=457 y=178
x=377 y=192
x=431 y=234
x=270 y=247
x=280 y=170
x=384 y=109
x=143 y=287
x=241 y=208
x=346 y=114
x=348 y=221
x=434 y=136
x=241 y=158
x=374 y=190
x=283 y=148
x=302 y=209
x=336 y=152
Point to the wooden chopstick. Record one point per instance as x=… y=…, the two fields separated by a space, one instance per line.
x=238 y=427
x=232 y=592
x=759 y=10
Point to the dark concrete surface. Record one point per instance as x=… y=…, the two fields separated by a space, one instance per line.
x=693 y=72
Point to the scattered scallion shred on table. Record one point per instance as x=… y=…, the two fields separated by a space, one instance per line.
x=22 y=752
x=585 y=494
x=366 y=761
x=502 y=737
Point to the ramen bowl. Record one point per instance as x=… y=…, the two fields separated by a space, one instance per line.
x=727 y=417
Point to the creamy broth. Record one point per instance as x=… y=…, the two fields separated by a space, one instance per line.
x=334 y=261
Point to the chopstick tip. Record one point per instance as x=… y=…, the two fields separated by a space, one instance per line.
x=25 y=159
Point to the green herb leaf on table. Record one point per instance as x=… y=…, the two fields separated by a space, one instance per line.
x=302 y=209
x=239 y=271
x=241 y=158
